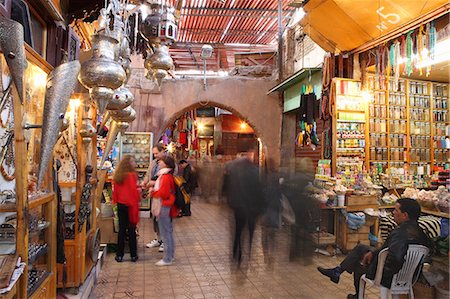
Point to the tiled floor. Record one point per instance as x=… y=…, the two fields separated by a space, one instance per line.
x=203 y=268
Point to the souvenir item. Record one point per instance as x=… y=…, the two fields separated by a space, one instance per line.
x=60 y=84
x=122 y=98
x=12 y=45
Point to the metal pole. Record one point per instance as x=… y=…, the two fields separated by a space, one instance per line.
x=280 y=40
x=204 y=74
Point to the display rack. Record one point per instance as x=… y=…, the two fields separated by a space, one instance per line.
x=81 y=234
x=417 y=128
x=139 y=145
x=349 y=123
x=33 y=214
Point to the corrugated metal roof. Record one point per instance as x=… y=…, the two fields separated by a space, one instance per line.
x=224 y=22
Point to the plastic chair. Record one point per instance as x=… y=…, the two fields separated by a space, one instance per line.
x=403 y=281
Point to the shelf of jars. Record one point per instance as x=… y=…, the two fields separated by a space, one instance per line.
x=440 y=118
x=349 y=123
x=414 y=139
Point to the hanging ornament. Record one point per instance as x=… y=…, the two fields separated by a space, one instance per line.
x=60 y=84
x=12 y=45
x=409 y=52
x=121 y=99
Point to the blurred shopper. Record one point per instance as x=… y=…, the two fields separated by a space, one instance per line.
x=243 y=190
x=271 y=220
x=127 y=195
x=306 y=211
x=164 y=191
x=190 y=178
x=149 y=181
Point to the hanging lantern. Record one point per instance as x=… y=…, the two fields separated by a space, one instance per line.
x=159 y=27
x=122 y=98
x=119 y=124
x=87 y=130
x=158 y=64
x=102 y=74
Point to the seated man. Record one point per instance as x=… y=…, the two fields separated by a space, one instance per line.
x=363 y=259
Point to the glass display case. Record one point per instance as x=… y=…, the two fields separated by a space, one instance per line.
x=139 y=145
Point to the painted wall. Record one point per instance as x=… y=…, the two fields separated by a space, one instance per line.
x=245 y=97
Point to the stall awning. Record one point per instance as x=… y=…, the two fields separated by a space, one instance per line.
x=343 y=25
x=294 y=78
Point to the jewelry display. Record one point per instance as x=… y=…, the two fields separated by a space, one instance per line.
x=7 y=196
x=36 y=250
x=35 y=278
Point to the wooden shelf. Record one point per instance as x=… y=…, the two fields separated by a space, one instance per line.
x=40 y=200
x=350 y=111
x=10 y=207
x=436 y=213
x=68 y=184
x=351 y=121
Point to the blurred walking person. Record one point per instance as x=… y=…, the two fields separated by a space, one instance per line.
x=271 y=220
x=127 y=195
x=243 y=190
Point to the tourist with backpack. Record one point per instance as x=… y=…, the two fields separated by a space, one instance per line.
x=164 y=192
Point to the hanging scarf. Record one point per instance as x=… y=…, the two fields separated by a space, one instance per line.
x=409 y=50
x=392 y=61
x=377 y=64
x=420 y=47
x=432 y=45
x=160 y=174
x=403 y=52
x=396 y=62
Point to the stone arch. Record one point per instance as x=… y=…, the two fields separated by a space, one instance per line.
x=176 y=115
x=246 y=98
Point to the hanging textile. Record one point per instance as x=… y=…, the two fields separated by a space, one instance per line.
x=432 y=45
x=397 y=57
x=309 y=108
x=409 y=52
x=403 y=52
x=420 y=49
x=327 y=75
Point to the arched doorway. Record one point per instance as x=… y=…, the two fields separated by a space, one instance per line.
x=208 y=137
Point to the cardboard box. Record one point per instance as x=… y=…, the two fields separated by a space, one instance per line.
x=361 y=200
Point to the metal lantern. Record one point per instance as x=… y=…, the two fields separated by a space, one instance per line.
x=158 y=64
x=159 y=26
x=119 y=124
x=102 y=74
x=122 y=98
x=87 y=130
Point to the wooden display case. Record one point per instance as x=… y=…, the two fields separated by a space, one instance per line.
x=398 y=128
x=139 y=145
x=417 y=119
x=35 y=209
x=82 y=238
x=350 y=129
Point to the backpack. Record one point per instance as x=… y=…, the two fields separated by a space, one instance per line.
x=180 y=193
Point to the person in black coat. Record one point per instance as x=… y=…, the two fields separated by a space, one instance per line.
x=244 y=192
x=189 y=185
x=364 y=259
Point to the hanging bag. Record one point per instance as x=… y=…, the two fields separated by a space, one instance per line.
x=156 y=207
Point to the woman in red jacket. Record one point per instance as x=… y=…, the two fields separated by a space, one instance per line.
x=127 y=196
x=164 y=190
